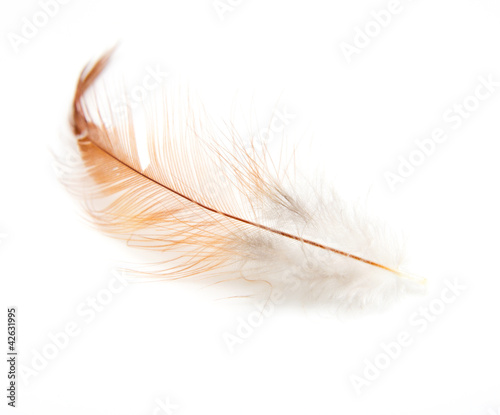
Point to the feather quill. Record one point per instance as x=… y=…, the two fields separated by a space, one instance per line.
x=226 y=209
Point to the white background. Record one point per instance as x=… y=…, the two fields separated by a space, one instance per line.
x=160 y=340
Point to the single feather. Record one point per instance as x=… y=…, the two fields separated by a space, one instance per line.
x=226 y=211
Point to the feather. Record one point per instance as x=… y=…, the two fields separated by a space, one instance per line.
x=224 y=210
